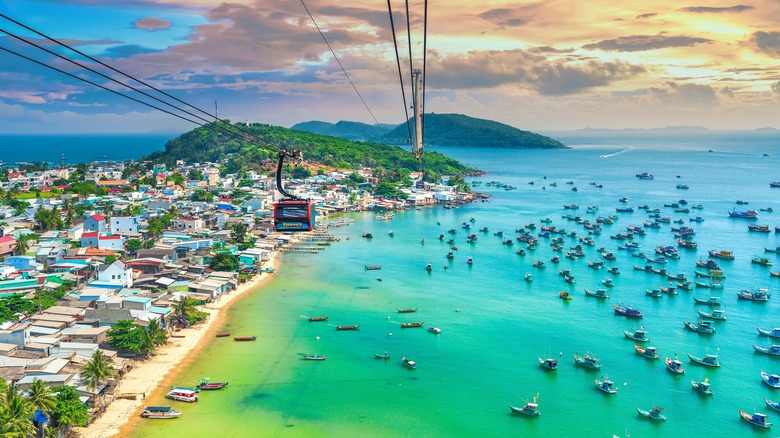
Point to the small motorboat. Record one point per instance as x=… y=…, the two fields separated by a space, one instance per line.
x=713 y=302
x=757 y=419
x=703 y=327
x=628 y=311
x=312 y=356
x=406 y=310
x=318 y=318
x=412 y=324
x=653 y=414
x=772 y=380
x=606 y=385
x=347 y=327
x=530 y=409
x=772 y=350
x=564 y=295
x=550 y=364
x=184 y=395
x=716 y=314
x=223 y=335
x=598 y=293
x=245 y=338
x=709 y=360
x=434 y=330
x=772 y=404
x=774 y=333
x=382 y=356
x=702 y=387
x=647 y=352
x=159 y=413
x=639 y=335
x=587 y=361
x=674 y=366
x=528 y=277
x=409 y=363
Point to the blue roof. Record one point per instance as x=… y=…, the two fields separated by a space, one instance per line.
x=138 y=299
x=160 y=310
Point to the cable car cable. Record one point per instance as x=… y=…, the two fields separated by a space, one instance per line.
x=400 y=75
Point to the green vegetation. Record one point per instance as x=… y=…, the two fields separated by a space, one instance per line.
x=126 y=335
x=43 y=299
x=187 y=312
x=98 y=370
x=224 y=261
x=239 y=156
x=69 y=409
x=345 y=129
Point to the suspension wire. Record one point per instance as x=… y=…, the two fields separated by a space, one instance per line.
x=245 y=132
x=424 y=69
x=400 y=75
x=339 y=62
x=409 y=39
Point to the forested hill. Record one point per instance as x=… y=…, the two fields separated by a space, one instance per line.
x=210 y=144
x=345 y=129
x=464 y=131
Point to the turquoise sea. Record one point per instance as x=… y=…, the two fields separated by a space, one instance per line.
x=494 y=324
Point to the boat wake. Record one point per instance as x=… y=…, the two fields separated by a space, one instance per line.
x=613 y=154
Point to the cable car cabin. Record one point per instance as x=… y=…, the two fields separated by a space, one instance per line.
x=294 y=215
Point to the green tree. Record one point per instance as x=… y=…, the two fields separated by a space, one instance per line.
x=69 y=410
x=224 y=261
x=15 y=414
x=301 y=172
x=97 y=370
x=196 y=174
x=41 y=397
x=156 y=334
x=23 y=243
x=133 y=245
x=238 y=231
x=201 y=196
x=353 y=198
x=109 y=259
x=185 y=308
x=386 y=189
x=177 y=178
x=126 y=335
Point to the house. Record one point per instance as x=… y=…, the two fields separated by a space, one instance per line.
x=23 y=263
x=115 y=275
x=124 y=224
x=6 y=270
x=111 y=243
x=7 y=245
x=89 y=239
x=95 y=222
x=187 y=224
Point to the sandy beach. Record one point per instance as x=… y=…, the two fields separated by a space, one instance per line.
x=150 y=376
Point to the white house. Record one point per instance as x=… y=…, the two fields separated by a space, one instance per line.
x=124 y=224
x=115 y=274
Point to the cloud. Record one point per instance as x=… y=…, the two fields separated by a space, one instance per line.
x=766 y=42
x=548 y=49
x=684 y=96
x=644 y=16
x=715 y=10
x=152 y=24
x=503 y=17
x=776 y=87
x=640 y=43
x=127 y=50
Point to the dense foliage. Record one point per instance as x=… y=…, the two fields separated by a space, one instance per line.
x=69 y=409
x=43 y=299
x=345 y=129
x=209 y=144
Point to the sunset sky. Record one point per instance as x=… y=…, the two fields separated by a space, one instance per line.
x=540 y=66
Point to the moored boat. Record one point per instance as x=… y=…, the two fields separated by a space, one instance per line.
x=434 y=330
x=382 y=356
x=245 y=338
x=774 y=333
x=716 y=314
x=648 y=352
x=748 y=214
x=318 y=318
x=184 y=395
x=704 y=327
x=204 y=384
x=772 y=404
x=653 y=414
x=606 y=385
x=721 y=254
x=587 y=361
x=407 y=310
x=530 y=409
x=756 y=419
x=313 y=356
x=772 y=380
x=655 y=293
x=159 y=413
x=412 y=324
x=763 y=261
x=550 y=364
x=702 y=387
x=772 y=350
x=711 y=301
x=628 y=311
x=674 y=366
x=754 y=295
x=564 y=295
x=223 y=335
x=598 y=293
x=409 y=363
x=686 y=285
x=709 y=360
x=347 y=327
x=639 y=335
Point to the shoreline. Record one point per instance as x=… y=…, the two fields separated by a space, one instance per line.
x=148 y=378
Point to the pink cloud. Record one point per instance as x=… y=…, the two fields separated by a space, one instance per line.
x=152 y=24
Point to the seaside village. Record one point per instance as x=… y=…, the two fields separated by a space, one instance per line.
x=140 y=259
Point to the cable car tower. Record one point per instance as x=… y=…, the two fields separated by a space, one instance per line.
x=417 y=130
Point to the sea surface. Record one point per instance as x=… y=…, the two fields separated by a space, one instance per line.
x=494 y=325
x=79 y=148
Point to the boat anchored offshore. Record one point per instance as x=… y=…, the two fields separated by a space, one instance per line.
x=772 y=350
x=409 y=363
x=653 y=414
x=550 y=364
x=704 y=327
x=587 y=361
x=772 y=380
x=606 y=385
x=674 y=366
x=639 y=335
x=702 y=387
x=628 y=311
x=184 y=395
x=774 y=333
x=530 y=409
x=709 y=360
x=159 y=412
x=647 y=352
x=772 y=404
x=757 y=419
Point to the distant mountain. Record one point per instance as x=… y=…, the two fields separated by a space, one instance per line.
x=767 y=129
x=464 y=131
x=345 y=129
x=672 y=129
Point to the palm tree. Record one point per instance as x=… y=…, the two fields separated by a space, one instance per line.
x=97 y=370
x=41 y=397
x=155 y=334
x=184 y=308
x=15 y=413
x=23 y=244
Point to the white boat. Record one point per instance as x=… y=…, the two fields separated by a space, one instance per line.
x=587 y=361
x=709 y=360
x=606 y=385
x=773 y=350
x=674 y=366
x=639 y=335
x=530 y=409
x=184 y=395
x=550 y=364
x=434 y=330
x=774 y=333
x=772 y=380
x=159 y=413
x=653 y=414
x=716 y=314
x=702 y=387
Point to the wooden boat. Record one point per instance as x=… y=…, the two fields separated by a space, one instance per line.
x=205 y=386
x=606 y=385
x=598 y=293
x=628 y=311
x=434 y=330
x=754 y=295
x=530 y=409
x=774 y=333
x=762 y=261
x=686 y=285
x=564 y=295
x=550 y=364
x=721 y=254
x=702 y=387
x=195 y=389
x=368 y=235
x=716 y=314
x=347 y=327
x=711 y=301
x=749 y=214
x=528 y=277
x=245 y=338
x=407 y=310
x=674 y=366
x=704 y=327
x=776 y=250
x=159 y=413
x=757 y=419
x=653 y=414
x=709 y=285
x=774 y=273
x=318 y=318
x=647 y=352
x=772 y=404
x=184 y=395
x=223 y=335
x=409 y=363
x=412 y=324
x=313 y=356
x=655 y=293
x=382 y=356
x=759 y=228
x=587 y=361
x=538 y=264
x=373 y=267
x=639 y=335
x=669 y=290
x=772 y=350
x=709 y=360
x=679 y=276
x=772 y=380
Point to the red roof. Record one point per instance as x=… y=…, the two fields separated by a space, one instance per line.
x=108 y=237
x=91 y=234
x=5 y=239
x=98 y=217
x=225 y=199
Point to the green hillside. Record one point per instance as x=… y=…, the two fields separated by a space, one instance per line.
x=345 y=129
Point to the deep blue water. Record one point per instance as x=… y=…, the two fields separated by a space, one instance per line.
x=79 y=148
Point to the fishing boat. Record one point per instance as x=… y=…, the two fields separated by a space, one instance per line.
x=245 y=338
x=709 y=360
x=686 y=285
x=528 y=277
x=381 y=356
x=407 y=310
x=538 y=264
x=756 y=419
x=716 y=314
x=598 y=293
x=748 y=214
x=587 y=361
x=655 y=293
x=647 y=352
x=317 y=318
x=368 y=235
x=708 y=285
x=759 y=228
x=530 y=409
x=412 y=324
x=763 y=261
x=550 y=364
x=703 y=327
x=184 y=395
x=373 y=267
x=754 y=295
x=223 y=335
x=674 y=366
x=564 y=295
x=772 y=350
x=772 y=380
x=774 y=273
x=653 y=414
x=702 y=387
x=721 y=254
x=774 y=333
x=434 y=330
x=606 y=385
x=639 y=335
x=159 y=413
x=613 y=270
x=607 y=282
x=470 y=261
x=347 y=327
x=775 y=250
x=628 y=311
x=313 y=356
x=679 y=276
x=772 y=404
x=409 y=363
x=711 y=301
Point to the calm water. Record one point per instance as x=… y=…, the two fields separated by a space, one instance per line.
x=79 y=148
x=494 y=324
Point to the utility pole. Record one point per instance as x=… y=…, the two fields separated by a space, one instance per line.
x=417 y=140
x=216 y=112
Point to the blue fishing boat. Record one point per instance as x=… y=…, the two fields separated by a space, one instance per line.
x=639 y=335
x=703 y=327
x=674 y=366
x=772 y=404
x=774 y=333
x=630 y=312
x=773 y=350
x=772 y=380
x=709 y=360
x=702 y=387
x=757 y=419
x=606 y=385
x=587 y=361
x=653 y=414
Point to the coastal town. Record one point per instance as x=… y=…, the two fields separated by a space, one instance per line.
x=95 y=284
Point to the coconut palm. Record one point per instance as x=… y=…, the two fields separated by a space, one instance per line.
x=155 y=334
x=15 y=414
x=97 y=370
x=41 y=397
x=23 y=243
x=183 y=308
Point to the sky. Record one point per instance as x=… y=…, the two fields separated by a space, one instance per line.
x=551 y=65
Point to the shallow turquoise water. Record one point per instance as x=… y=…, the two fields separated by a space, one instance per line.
x=486 y=356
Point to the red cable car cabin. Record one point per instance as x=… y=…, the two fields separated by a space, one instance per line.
x=294 y=215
